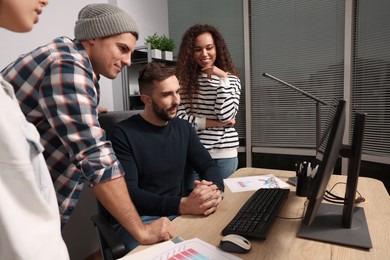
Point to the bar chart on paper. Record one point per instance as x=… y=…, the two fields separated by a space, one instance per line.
x=188 y=253
x=240 y=184
x=192 y=249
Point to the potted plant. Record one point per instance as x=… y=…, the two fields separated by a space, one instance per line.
x=167 y=45
x=154 y=41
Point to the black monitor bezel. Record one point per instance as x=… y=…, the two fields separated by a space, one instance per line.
x=326 y=163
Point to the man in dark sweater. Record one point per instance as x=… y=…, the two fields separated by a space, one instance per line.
x=154 y=148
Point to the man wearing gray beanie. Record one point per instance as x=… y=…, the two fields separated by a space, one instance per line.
x=58 y=90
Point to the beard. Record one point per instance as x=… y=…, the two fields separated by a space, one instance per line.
x=163 y=114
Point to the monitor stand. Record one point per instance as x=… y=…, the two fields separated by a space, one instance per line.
x=327 y=227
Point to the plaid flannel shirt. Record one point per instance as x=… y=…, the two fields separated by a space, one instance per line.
x=59 y=93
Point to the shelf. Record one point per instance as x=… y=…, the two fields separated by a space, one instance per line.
x=140 y=56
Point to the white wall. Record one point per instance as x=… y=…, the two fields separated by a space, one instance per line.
x=58 y=19
x=150 y=15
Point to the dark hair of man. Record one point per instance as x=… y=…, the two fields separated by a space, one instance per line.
x=153 y=71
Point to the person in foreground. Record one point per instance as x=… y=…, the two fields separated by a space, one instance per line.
x=57 y=88
x=154 y=148
x=210 y=93
x=30 y=225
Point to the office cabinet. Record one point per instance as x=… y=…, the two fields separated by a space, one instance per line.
x=130 y=89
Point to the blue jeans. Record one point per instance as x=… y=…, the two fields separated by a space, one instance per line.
x=127 y=239
x=226 y=167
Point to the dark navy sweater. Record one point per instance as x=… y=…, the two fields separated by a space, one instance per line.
x=155 y=158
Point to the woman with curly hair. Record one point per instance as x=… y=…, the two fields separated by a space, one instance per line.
x=210 y=93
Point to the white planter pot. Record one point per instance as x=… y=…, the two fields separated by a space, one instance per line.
x=155 y=53
x=167 y=55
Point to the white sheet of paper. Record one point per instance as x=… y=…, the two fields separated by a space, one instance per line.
x=188 y=249
x=240 y=184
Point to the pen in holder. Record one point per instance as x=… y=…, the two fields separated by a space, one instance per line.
x=304 y=173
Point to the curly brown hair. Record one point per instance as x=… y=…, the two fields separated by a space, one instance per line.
x=188 y=70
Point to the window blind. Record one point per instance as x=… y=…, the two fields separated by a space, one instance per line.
x=371 y=75
x=300 y=42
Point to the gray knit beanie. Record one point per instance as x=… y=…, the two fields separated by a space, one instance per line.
x=103 y=20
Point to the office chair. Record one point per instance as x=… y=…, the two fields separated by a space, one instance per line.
x=111 y=247
x=109 y=119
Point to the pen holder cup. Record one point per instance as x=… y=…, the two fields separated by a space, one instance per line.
x=303 y=185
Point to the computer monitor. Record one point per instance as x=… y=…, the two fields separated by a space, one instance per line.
x=354 y=153
x=342 y=224
x=326 y=157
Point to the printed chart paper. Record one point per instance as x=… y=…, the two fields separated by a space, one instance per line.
x=254 y=183
x=187 y=250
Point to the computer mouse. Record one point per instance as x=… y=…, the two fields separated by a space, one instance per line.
x=235 y=244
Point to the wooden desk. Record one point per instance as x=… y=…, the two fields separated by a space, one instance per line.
x=282 y=242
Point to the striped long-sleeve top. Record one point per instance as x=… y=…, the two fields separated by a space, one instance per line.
x=218 y=99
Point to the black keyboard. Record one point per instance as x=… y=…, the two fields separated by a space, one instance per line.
x=257 y=214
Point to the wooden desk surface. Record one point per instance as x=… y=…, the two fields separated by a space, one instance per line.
x=282 y=242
